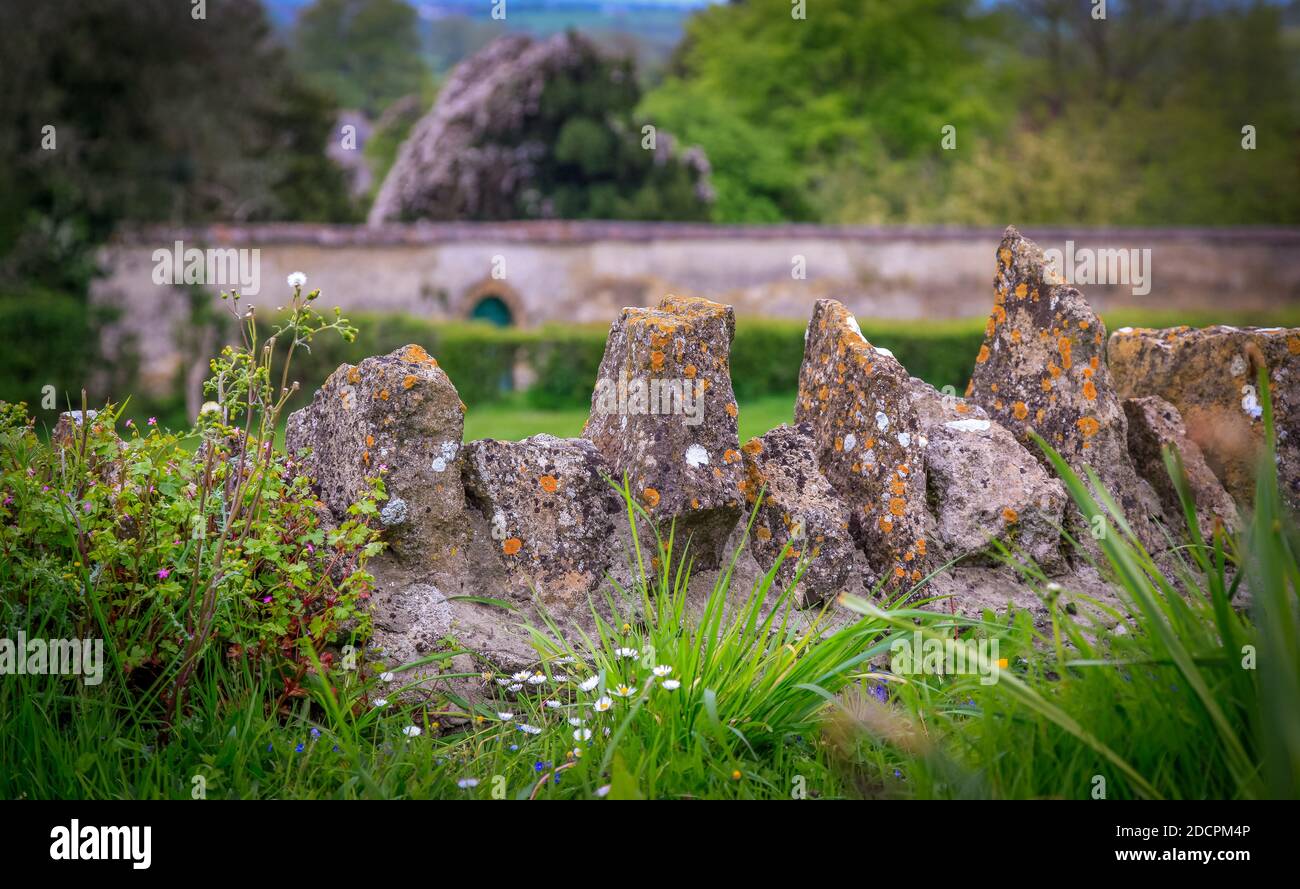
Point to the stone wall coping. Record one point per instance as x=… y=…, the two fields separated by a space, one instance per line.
x=587 y=231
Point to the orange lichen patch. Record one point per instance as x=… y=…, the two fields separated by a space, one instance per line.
x=839 y=444
x=1015 y=336
x=1034 y=295
x=897 y=506
x=730 y=456
x=354 y=375
x=1089 y=391
x=900 y=571
x=990 y=326
x=1053 y=370
x=1064 y=345
x=1293 y=345
x=383 y=394
x=962 y=407
x=549 y=483
x=1047 y=384
x=1095 y=362
x=1039 y=415
x=1010 y=515
x=897 y=487
x=908 y=556
x=511 y=545
x=1088 y=426
x=408 y=381
x=920 y=546
x=1000 y=314
x=753 y=447
x=690 y=371
x=885 y=525
x=695 y=503
x=365 y=457
x=1020 y=410
x=651 y=497
x=1083 y=325
x=823 y=394
x=1005 y=255
x=732 y=410
x=417 y=355
x=970 y=386
x=370 y=441
x=1022 y=290
x=993 y=387
x=997 y=405
x=981 y=358
x=762 y=533
x=656 y=361
x=916 y=575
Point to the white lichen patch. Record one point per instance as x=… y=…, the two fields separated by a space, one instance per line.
x=446 y=455
x=905 y=439
x=697 y=456
x=1238 y=366
x=850 y=441
x=1250 y=403
x=882 y=421
x=968 y=425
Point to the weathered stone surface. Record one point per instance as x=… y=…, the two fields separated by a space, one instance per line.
x=1041 y=369
x=983 y=485
x=68 y=430
x=664 y=415
x=1209 y=375
x=552 y=513
x=798 y=507
x=475 y=156
x=1153 y=424
x=399 y=412
x=410 y=623
x=856 y=399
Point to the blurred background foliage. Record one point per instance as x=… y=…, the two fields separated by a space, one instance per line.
x=1059 y=119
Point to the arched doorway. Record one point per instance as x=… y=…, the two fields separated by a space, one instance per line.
x=492 y=309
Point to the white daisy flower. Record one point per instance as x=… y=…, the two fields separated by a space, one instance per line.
x=589 y=684
x=386 y=677
x=623 y=691
x=553 y=704
x=576 y=753
x=537 y=679
x=514 y=686
x=529 y=729
x=607 y=731
x=626 y=652
x=381 y=702
x=671 y=684
x=522 y=676
x=505 y=716
x=582 y=734
x=411 y=731
x=467 y=783
x=662 y=670
x=575 y=721
x=561 y=677
x=297 y=279
x=503 y=682
x=603 y=704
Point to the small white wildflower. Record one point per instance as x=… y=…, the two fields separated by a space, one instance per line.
x=537 y=679
x=626 y=652
x=411 y=731
x=623 y=691
x=603 y=704
x=529 y=729
x=553 y=704
x=671 y=684
x=575 y=721
x=522 y=676
x=297 y=279
x=503 y=682
x=582 y=734
x=603 y=790
x=467 y=783
x=505 y=716
x=381 y=702
x=662 y=670
x=589 y=684
x=386 y=676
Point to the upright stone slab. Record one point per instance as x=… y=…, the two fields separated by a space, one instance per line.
x=399 y=412
x=1154 y=424
x=856 y=399
x=552 y=512
x=1042 y=369
x=663 y=414
x=1210 y=376
x=799 y=508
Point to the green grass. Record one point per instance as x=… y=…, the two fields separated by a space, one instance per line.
x=514 y=419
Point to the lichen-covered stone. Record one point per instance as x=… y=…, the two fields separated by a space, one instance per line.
x=856 y=399
x=800 y=508
x=1210 y=376
x=398 y=413
x=410 y=623
x=1041 y=369
x=1153 y=424
x=552 y=512
x=664 y=415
